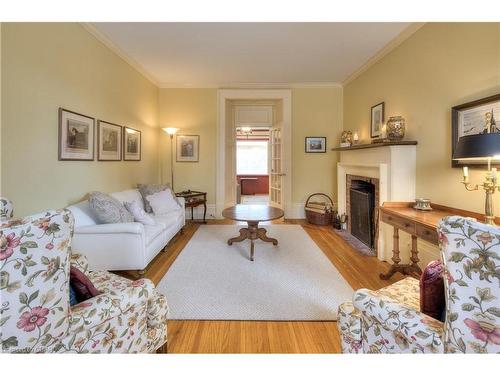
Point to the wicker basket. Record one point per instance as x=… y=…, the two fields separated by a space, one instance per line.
x=319 y=212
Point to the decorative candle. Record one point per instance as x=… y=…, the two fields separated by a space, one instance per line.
x=466 y=174
x=383 y=131
x=494 y=173
x=355 y=137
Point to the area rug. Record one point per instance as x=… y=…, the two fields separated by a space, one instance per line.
x=211 y=280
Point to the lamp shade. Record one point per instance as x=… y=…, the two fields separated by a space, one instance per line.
x=170 y=131
x=478 y=146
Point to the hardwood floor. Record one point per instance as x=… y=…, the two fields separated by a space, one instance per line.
x=194 y=336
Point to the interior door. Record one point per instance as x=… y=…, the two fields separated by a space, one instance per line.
x=276 y=180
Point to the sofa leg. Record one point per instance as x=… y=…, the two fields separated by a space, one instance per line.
x=163 y=349
x=182 y=230
x=165 y=249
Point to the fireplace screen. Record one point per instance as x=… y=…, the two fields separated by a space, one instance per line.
x=362 y=198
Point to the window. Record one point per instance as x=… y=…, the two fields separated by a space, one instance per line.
x=251 y=157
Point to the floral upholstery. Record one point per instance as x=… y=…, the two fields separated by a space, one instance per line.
x=389 y=321
x=6 y=209
x=35 y=316
x=471 y=254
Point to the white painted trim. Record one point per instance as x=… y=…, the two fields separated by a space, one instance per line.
x=297 y=211
x=125 y=57
x=257 y=85
x=389 y=47
x=226 y=94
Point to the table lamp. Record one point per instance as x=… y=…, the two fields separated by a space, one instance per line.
x=171 y=132
x=481 y=147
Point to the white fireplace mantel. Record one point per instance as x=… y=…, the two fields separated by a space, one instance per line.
x=393 y=165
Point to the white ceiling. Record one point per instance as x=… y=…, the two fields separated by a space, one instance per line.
x=226 y=54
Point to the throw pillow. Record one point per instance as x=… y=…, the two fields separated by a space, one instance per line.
x=139 y=214
x=109 y=210
x=162 y=202
x=81 y=284
x=432 y=297
x=150 y=189
x=72 y=296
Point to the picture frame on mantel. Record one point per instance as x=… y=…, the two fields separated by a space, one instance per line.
x=377 y=114
x=476 y=117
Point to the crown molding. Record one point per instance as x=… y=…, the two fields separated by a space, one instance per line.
x=259 y=85
x=389 y=47
x=109 y=44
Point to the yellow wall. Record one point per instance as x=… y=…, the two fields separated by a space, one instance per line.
x=315 y=112
x=440 y=66
x=194 y=112
x=46 y=66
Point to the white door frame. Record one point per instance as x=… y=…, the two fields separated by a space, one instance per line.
x=222 y=97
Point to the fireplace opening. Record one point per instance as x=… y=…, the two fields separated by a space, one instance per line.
x=362 y=209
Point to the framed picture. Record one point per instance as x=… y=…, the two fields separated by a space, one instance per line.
x=315 y=145
x=188 y=147
x=109 y=141
x=377 y=119
x=131 y=144
x=479 y=116
x=76 y=136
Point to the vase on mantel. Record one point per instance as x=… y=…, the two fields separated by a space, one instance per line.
x=396 y=128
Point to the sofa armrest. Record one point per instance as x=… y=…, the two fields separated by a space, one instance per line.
x=182 y=202
x=413 y=325
x=134 y=228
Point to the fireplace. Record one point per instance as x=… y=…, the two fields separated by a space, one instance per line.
x=362 y=206
x=362 y=196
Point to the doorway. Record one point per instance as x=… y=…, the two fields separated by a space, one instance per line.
x=253 y=110
x=252 y=164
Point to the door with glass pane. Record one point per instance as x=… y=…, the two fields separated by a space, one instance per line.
x=276 y=173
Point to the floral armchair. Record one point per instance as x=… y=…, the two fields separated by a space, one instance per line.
x=389 y=321
x=35 y=314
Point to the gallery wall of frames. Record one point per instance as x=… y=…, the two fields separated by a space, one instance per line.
x=77 y=139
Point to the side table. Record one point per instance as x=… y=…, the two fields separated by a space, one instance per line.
x=194 y=199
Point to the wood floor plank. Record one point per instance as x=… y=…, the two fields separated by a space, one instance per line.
x=193 y=336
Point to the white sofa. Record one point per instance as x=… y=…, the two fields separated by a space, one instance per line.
x=123 y=246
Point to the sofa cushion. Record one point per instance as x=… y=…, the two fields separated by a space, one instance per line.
x=131 y=195
x=152 y=231
x=138 y=212
x=149 y=189
x=108 y=209
x=162 y=202
x=168 y=220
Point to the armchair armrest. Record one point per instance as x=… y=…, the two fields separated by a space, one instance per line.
x=134 y=228
x=394 y=316
x=80 y=262
x=111 y=304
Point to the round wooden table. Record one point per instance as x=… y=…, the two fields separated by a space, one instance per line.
x=252 y=214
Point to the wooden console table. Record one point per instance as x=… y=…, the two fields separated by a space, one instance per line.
x=419 y=224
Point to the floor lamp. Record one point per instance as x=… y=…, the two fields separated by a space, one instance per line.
x=171 y=132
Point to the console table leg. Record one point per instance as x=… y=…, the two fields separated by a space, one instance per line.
x=414 y=256
x=395 y=257
x=204 y=212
